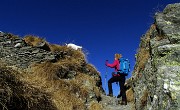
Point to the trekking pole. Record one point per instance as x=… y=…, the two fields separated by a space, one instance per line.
x=105 y=79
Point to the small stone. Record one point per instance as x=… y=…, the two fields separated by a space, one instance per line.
x=18 y=45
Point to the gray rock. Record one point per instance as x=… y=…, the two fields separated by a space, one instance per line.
x=35 y=51
x=26 y=48
x=161 y=73
x=1 y=34
x=51 y=57
x=174 y=38
x=18 y=41
x=155 y=43
x=168 y=48
x=18 y=45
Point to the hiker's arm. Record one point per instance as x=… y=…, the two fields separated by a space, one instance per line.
x=112 y=65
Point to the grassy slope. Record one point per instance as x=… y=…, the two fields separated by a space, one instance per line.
x=48 y=86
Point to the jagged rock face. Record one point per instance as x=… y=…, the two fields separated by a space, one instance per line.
x=158 y=86
x=23 y=55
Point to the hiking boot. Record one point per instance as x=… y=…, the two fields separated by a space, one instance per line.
x=110 y=95
x=119 y=96
x=123 y=103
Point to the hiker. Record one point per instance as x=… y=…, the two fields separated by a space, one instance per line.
x=117 y=77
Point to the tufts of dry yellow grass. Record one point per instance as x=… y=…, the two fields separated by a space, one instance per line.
x=72 y=92
x=11 y=36
x=75 y=54
x=56 y=48
x=66 y=100
x=51 y=79
x=144 y=52
x=71 y=64
x=64 y=94
x=130 y=95
x=19 y=94
x=95 y=106
x=144 y=98
x=92 y=70
x=57 y=70
x=60 y=69
x=33 y=40
x=68 y=53
x=143 y=56
x=47 y=70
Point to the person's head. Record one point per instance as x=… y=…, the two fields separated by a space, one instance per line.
x=118 y=56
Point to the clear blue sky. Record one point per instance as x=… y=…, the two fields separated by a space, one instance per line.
x=102 y=27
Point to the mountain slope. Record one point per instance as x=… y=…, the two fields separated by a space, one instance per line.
x=37 y=75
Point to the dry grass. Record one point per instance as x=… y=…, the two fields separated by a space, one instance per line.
x=33 y=40
x=160 y=35
x=64 y=94
x=47 y=70
x=71 y=64
x=57 y=48
x=66 y=100
x=11 y=36
x=56 y=70
x=72 y=92
x=143 y=51
x=19 y=95
x=60 y=69
x=95 y=106
x=143 y=56
x=68 y=53
x=75 y=54
x=92 y=70
x=97 y=92
x=144 y=98
x=153 y=27
x=130 y=95
x=52 y=83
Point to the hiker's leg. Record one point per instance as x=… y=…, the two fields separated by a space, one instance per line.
x=110 y=81
x=120 y=94
x=122 y=87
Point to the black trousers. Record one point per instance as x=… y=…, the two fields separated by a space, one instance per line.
x=121 y=79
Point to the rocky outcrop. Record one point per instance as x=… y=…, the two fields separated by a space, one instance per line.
x=37 y=75
x=23 y=55
x=157 y=71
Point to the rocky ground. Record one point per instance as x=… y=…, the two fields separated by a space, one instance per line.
x=112 y=103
